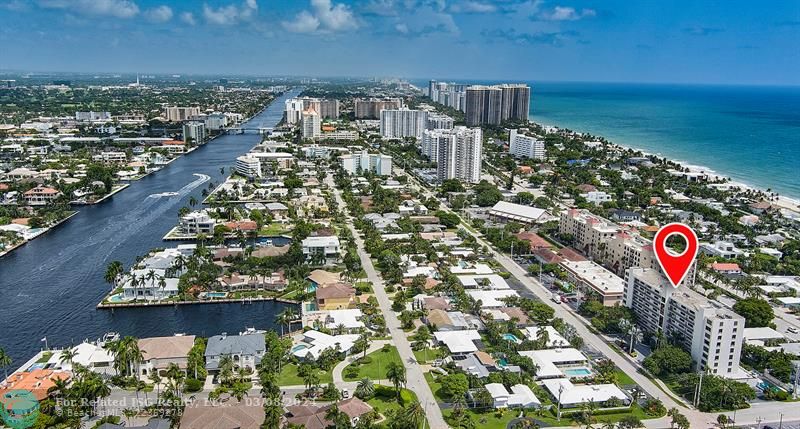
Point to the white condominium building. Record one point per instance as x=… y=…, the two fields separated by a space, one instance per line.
x=194 y=130
x=358 y=163
x=438 y=121
x=713 y=335
x=523 y=146
x=431 y=139
x=311 y=124
x=403 y=123
x=248 y=166
x=460 y=156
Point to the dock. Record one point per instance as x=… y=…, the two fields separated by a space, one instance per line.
x=102 y=306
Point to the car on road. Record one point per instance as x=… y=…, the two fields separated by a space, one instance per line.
x=556 y=298
x=793 y=330
x=345 y=393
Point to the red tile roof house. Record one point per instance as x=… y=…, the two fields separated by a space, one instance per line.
x=535 y=241
x=41 y=196
x=726 y=268
x=242 y=225
x=313 y=416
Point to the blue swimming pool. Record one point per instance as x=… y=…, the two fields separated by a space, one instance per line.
x=577 y=372
x=512 y=338
x=299 y=347
x=116 y=298
x=216 y=294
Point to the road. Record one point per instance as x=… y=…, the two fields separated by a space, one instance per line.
x=758 y=415
x=415 y=379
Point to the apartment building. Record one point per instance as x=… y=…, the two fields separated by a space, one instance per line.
x=311 y=124
x=370 y=108
x=590 y=232
x=496 y=103
x=180 y=114
x=357 y=163
x=524 y=146
x=712 y=335
x=459 y=156
x=401 y=123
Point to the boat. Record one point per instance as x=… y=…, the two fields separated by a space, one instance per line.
x=110 y=337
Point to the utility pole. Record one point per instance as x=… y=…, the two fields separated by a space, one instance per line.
x=796 y=376
x=698 y=390
x=560 y=390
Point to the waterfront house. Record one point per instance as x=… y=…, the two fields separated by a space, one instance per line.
x=278 y=211
x=159 y=352
x=314 y=416
x=319 y=278
x=349 y=319
x=198 y=222
x=229 y=415
x=37 y=381
x=315 y=342
x=41 y=196
x=90 y=356
x=148 y=288
x=246 y=351
x=335 y=296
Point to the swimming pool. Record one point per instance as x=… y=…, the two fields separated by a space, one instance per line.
x=299 y=347
x=216 y=294
x=511 y=337
x=116 y=298
x=577 y=372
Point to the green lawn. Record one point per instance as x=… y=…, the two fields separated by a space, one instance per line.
x=375 y=369
x=385 y=399
x=623 y=379
x=45 y=357
x=289 y=377
x=429 y=355
x=274 y=229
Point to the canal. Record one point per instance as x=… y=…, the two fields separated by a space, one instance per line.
x=50 y=286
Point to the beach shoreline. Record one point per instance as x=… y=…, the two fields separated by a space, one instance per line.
x=791 y=203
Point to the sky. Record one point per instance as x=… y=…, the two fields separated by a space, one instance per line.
x=674 y=41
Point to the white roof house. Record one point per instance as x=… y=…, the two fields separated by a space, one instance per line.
x=522 y=396
x=492 y=281
x=316 y=342
x=554 y=338
x=88 y=355
x=516 y=212
x=463 y=268
x=550 y=361
x=458 y=342
x=573 y=395
x=491 y=298
x=350 y=318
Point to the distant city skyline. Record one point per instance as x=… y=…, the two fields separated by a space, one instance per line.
x=736 y=42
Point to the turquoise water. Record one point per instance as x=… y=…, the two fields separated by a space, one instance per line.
x=217 y=294
x=511 y=337
x=751 y=134
x=299 y=347
x=577 y=372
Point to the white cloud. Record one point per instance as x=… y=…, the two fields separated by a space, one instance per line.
x=304 y=22
x=566 y=13
x=161 y=13
x=401 y=28
x=188 y=18
x=324 y=17
x=471 y=6
x=230 y=14
x=116 y=8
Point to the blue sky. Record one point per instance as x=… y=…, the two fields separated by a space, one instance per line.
x=726 y=42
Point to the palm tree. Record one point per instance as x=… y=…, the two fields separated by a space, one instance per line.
x=129 y=413
x=225 y=369
x=113 y=271
x=415 y=414
x=156 y=380
x=5 y=361
x=365 y=389
x=67 y=355
x=362 y=343
x=192 y=201
x=396 y=373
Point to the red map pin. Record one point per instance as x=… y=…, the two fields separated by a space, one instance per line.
x=674 y=265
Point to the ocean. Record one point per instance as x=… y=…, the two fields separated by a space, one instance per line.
x=748 y=133
x=751 y=134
